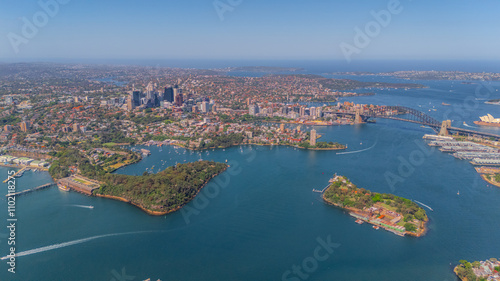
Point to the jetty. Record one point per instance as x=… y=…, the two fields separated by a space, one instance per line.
x=31 y=190
x=321 y=191
x=17 y=173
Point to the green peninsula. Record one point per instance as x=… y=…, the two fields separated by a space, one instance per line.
x=163 y=192
x=156 y=194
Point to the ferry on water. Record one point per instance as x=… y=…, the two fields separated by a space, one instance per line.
x=62 y=187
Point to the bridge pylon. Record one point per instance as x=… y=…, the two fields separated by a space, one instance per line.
x=358 y=119
x=444 y=128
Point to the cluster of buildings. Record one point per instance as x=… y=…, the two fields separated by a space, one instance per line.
x=477 y=154
x=194 y=133
x=170 y=98
x=287 y=111
x=445 y=75
x=487 y=270
x=23 y=161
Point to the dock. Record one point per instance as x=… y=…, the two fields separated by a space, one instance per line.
x=13 y=176
x=30 y=190
x=80 y=184
x=321 y=191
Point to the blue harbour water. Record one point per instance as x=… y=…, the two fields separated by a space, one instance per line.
x=260 y=217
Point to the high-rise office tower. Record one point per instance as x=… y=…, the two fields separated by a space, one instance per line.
x=136 y=98
x=312 y=141
x=168 y=94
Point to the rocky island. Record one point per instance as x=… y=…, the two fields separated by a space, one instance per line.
x=395 y=214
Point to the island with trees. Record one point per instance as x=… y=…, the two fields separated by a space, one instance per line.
x=396 y=214
x=478 y=270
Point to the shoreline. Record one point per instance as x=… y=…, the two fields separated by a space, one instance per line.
x=484 y=177
x=455 y=270
x=351 y=211
x=124 y=165
x=258 y=144
x=23 y=166
x=159 y=213
x=310 y=124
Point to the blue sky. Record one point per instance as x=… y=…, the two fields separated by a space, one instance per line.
x=254 y=29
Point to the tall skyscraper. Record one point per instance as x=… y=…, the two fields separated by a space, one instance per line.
x=302 y=111
x=178 y=98
x=204 y=107
x=312 y=111
x=130 y=104
x=136 y=98
x=150 y=88
x=253 y=109
x=168 y=94
x=312 y=141
x=153 y=100
x=319 y=112
x=24 y=126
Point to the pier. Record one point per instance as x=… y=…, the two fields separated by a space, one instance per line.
x=80 y=184
x=321 y=191
x=31 y=190
x=13 y=176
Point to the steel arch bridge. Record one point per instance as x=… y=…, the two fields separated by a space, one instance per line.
x=407 y=114
x=410 y=115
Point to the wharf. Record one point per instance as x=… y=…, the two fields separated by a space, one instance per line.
x=321 y=191
x=31 y=190
x=17 y=173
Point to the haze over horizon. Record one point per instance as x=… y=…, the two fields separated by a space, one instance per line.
x=237 y=29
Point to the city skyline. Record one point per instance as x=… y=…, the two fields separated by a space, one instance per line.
x=64 y=29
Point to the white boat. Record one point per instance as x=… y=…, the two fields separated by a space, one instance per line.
x=62 y=187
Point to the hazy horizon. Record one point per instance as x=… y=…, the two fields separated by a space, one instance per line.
x=244 y=30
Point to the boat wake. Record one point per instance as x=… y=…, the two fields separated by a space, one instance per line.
x=83 y=206
x=358 y=151
x=70 y=243
x=423 y=205
x=467 y=125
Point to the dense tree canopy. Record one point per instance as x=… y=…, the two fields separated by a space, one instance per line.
x=348 y=195
x=166 y=190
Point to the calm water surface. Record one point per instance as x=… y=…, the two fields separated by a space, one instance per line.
x=260 y=218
